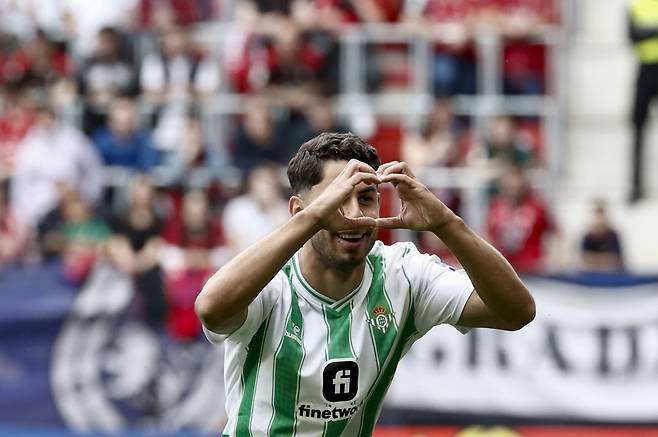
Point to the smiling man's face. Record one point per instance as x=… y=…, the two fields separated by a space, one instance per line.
x=345 y=250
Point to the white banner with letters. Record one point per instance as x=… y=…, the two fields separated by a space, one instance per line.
x=591 y=354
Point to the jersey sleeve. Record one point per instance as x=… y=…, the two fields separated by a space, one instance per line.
x=257 y=311
x=440 y=291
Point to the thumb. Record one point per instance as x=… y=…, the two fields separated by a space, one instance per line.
x=359 y=222
x=389 y=223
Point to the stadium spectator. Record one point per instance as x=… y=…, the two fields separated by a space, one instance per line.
x=194 y=237
x=185 y=149
x=158 y=14
x=123 y=142
x=107 y=74
x=173 y=78
x=318 y=116
x=438 y=143
x=82 y=235
x=178 y=71
x=517 y=21
x=49 y=236
x=248 y=218
x=518 y=223
x=39 y=62
x=304 y=62
x=451 y=23
x=507 y=145
x=82 y=20
x=257 y=141
x=17 y=116
x=135 y=246
x=643 y=32
x=601 y=246
x=13 y=233
x=53 y=152
x=441 y=143
x=289 y=56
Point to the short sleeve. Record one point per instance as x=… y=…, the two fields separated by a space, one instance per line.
x=257 y=312
x=440 y=291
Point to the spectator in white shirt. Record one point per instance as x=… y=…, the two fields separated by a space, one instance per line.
x=53 y=152
x=250 y=217
x=173 y=79
x=177 y=71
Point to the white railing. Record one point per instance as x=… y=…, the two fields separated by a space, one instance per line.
x=414 y=104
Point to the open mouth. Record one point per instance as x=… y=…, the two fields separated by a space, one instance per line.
x=352 y=237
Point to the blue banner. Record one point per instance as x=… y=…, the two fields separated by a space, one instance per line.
x=82 y=359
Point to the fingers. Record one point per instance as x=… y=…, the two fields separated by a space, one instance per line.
x=366 y=178
x=395 y=167
x=389 y=223
x=354 y=166
x=396 y=178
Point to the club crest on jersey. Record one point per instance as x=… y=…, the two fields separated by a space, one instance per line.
x=380 y=319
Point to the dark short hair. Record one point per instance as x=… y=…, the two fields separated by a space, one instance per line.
x=305 y=169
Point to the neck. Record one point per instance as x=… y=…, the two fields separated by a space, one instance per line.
x=330 y=281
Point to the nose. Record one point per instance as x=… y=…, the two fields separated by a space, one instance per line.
x=351 y=207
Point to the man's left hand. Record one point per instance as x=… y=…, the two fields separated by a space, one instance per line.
x=420 y=210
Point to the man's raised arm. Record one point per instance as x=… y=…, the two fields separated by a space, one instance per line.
x=222 y=304
x=500 y=299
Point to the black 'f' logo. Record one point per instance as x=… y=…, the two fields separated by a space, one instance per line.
x=340 y=380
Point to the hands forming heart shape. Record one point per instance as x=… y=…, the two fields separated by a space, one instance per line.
x=420 y=210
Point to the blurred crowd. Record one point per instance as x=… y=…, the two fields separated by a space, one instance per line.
x=108 y=154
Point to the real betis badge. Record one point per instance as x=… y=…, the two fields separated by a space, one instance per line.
x=380 y=319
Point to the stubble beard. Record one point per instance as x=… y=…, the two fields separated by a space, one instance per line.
x=323 y=248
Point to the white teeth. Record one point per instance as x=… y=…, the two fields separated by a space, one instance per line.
x=346 y=235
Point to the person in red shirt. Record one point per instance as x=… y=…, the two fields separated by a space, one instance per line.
x=195 y=233
x=518 y=223
x=524 y=62
x=37 y=63
x=18 y=116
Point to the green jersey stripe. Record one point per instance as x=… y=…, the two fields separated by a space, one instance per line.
x=376 y=396
x=380 y=315
x=276 y=354
x=287 y=366
x=339 y=325
x=350 y=331
x=250 y=376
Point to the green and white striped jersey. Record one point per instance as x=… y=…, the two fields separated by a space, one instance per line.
x=303 y=364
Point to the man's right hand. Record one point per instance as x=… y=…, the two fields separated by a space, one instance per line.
x=326 y=208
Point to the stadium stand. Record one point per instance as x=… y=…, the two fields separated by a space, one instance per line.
x=139 y=139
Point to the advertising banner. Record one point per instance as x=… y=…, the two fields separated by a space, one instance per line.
x=591 y=355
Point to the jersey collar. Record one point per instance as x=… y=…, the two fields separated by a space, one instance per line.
x=309 y=293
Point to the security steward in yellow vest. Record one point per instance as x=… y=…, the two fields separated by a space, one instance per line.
x=643 y=32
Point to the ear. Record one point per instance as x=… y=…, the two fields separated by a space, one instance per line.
x=295 y=204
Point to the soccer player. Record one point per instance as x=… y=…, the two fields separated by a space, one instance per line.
x=316 y=316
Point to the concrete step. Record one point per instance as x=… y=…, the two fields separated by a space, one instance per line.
x=598 y=161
